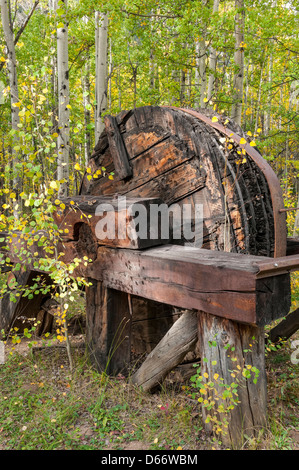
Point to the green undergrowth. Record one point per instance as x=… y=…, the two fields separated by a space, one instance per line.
x=45 y=407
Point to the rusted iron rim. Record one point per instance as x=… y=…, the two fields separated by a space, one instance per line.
x=280 y=238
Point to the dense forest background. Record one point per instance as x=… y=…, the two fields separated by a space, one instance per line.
x=239 y=58
x=64 y=65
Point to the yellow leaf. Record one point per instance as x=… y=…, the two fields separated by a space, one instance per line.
x=252 y=143
x=214 y=119
x=259 y=130
x=16 y=105
x=77 y=167
x=205 y=100
x=53 y=185
x=2 y=59
x=55 y=135
x=243 y=141
x=249 y=133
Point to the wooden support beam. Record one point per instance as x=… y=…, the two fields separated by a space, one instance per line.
x=108 y=328
x=232 y=359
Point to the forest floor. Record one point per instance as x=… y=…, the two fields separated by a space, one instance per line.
x=45 y=407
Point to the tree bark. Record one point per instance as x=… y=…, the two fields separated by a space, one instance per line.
x=86 y=106
x=212 y=61
x=63 y=104
x=13 y=83
x=236 y=112
x=101 y=38
x=200 y=71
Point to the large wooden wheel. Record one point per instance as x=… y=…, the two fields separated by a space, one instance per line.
x=182 y=156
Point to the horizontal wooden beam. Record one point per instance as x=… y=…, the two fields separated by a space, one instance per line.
x=223 y=284
x=248 y=289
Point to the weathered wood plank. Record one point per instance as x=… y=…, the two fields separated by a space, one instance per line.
x=108 y=328
x=219 y=283
x=117 y=148
x=245 y=288
x=150 y=322
x=162 y=162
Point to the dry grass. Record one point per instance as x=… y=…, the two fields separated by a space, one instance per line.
x=44 y=406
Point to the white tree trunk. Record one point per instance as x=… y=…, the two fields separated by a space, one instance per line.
x=200 y=71
x=63 y=102
x=101 y=39
x=13 y=79
x=86 y=106
x=212 y=61
x=203 y=72
x=239 y=62
x=259 y=100
x=268 y=110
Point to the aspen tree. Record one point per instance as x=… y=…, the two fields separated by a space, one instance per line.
x=101 y=40
x=236 y=112
x=63 y=98
x=13 y=82
x=212 y=61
